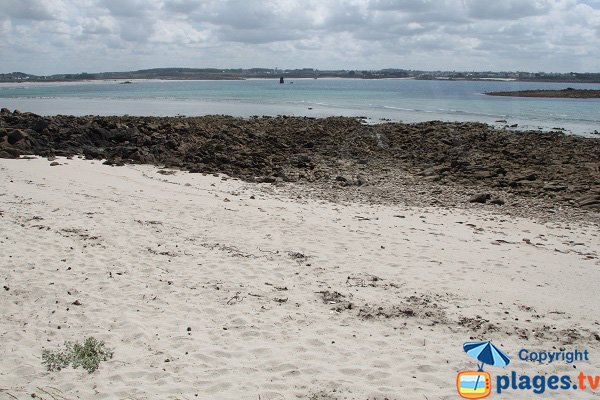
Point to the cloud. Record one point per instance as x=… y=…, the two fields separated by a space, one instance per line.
x=507 y=9
x=179 y=33
x=182 y=6
x=97 y=35
x=129 y=8
x=5 y=26
x=403 y=5
x=38 y=10
x=101 y=25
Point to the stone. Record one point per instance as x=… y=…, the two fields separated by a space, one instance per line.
x=54 y=163
x=589 y=201
x=480 y=198
x=16 y=136
x=554 y=187
x=360 y=180
x=40 y=125
x=497 y=201
x=528 y=177
x=265 y=179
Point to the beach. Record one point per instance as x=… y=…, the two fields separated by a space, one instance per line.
x=206 y=286
x=292 y=257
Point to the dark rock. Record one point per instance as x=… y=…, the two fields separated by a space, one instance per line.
x=498 y=202
x=91 y=153
x=54 y=163
x=40 y=125
x=266 y=179
x=116 y=161
x=16 y=136
x=10 y=152
x=4 y=111
x=480 y=198
x=590 y=201
x=555 y=187
x=360 y=180
x=484 y=174
x=529 y=177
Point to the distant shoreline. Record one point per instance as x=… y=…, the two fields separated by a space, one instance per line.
x=288 y=78
x=568 y=93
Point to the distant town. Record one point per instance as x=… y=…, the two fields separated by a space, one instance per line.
x=274 y=73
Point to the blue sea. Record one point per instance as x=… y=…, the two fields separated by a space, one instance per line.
x=376 y=100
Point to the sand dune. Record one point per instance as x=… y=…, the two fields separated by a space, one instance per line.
x=211 y=288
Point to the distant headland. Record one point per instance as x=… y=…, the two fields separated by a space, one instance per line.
x=310 y=73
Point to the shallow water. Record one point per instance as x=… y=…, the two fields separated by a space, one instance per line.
x=397 y=100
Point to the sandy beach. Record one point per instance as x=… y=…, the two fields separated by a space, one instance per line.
x=299 y=200
x=213 y=288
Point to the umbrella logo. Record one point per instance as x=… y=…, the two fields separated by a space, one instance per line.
x=478 y=384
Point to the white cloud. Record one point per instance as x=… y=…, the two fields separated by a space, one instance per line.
x=98 y=35
x=179 y=33
x=100 y=25
x=5 y=26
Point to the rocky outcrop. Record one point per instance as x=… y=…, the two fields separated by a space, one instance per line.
x=549 y=165
x=568 y=93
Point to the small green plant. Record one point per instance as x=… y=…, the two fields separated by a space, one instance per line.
x=87 y=355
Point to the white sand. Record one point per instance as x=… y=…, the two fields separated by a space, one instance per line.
x=149 y=255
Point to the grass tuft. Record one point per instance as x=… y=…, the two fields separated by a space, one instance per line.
x=87 y=355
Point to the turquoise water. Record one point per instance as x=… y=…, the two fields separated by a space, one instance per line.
x=397 y=100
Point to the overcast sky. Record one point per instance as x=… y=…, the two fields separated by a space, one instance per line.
x=54 y=36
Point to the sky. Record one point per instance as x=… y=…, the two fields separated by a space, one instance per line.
x=69 y=36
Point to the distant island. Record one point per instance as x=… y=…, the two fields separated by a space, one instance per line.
x=309 y=73
x=568 y=93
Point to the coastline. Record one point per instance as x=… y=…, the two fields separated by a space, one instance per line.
x=549 y=173
x=191 y=108
x=390 y=100
x=276 y=76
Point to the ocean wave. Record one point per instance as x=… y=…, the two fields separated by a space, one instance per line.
x=397 y=108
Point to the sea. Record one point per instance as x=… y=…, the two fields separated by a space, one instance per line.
x=376 y=101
